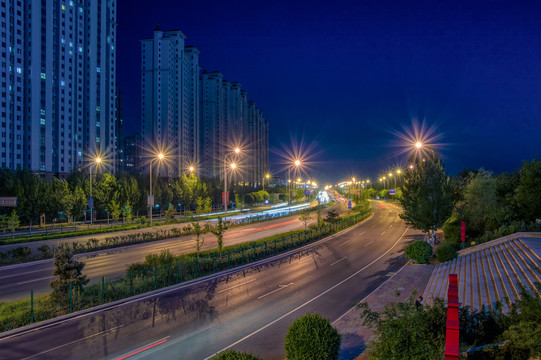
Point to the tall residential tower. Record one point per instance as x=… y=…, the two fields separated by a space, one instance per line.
x=57 y=83
x=170 y=99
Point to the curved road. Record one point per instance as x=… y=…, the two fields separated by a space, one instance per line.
x=16 y=281
x=249 y=310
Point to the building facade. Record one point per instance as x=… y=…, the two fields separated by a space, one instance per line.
x=170 y=99
x=197 y=118
x=57 y=83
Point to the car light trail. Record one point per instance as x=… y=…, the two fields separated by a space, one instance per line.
x=143 y=349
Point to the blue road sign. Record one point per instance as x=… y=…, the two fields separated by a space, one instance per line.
x=392 y=192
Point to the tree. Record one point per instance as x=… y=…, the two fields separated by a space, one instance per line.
x=13 y=222
x=199 y=202
x=402 y=331
x=528 y=190
x=170 y=212
x=332 y=217
x=207 y=207
x=79 y=203
x=4 y=222
x=104 y=191
x=311 y=337
x=427 y=195
x=525 y=330
x=219 y=231
x=238 y=203
x=114 y=209
x=199 y=240
x=67 y=271
x=480 y=207
x=127 y=212
x=305 y=218
x=319 y=218
x=60 y=199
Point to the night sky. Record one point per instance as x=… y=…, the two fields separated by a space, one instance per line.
x=345 y=78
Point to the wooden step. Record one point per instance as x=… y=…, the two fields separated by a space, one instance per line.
x=527 y=267
x=507 y=274
x=484 y=281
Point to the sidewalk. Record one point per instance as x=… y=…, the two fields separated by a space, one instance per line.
x=354 y=334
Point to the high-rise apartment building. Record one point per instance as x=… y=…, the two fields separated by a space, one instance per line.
x=57 y=83
x=198 y=118
x=170 y=99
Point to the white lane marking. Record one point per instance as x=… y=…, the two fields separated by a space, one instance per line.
x=280 y=287
x=309 y=301
x=373 y=225
x=383 y=233
x=236 y=286
x=391 y=226
x=344 y=243
x=248 y=229
x=72 y=342
x=367 y=296
x=362 y=233
x=24 y=273
x=337 y=261
x=29 y=281
x=368 y=243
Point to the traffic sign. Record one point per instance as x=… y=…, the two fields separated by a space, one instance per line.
x=8 y=201
x=349 y=204
x=225 y=197
x=392 y=192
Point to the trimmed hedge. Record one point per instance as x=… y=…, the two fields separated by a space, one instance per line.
x=234 y=355
x=21 y=254
x=419 y=251
x=446 y=252
x=312 y=337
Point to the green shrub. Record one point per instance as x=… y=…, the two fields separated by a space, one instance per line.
x=312 y=337
x=234 y=355
x=451 y=230
x=446 y=252
x=419 y=251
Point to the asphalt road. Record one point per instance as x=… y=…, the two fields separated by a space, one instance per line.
x=16 y=281
x=249 y=310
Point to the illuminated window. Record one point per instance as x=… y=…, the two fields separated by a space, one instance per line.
x=43 y=76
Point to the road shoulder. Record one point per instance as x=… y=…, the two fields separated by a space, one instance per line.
x=412 y=277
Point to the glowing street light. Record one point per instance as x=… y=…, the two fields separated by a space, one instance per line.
x=233 y=167
x=192 y=169
x=159 y=157
x=296 y=164
x=96 y=162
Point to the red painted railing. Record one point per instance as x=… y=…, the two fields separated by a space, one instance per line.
x=452 y=330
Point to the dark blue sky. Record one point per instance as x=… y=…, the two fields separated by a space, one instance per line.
x=346 y=75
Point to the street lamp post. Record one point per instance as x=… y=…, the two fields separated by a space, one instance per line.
x=296 y=163
x=97 y=161
x=267 y=176
x=150 y=201
x=233 y=167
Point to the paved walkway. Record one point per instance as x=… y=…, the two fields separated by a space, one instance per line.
x=354 y=334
